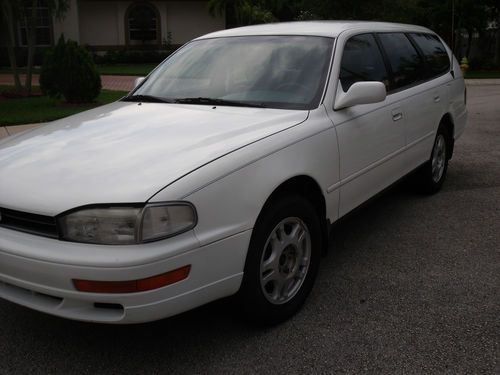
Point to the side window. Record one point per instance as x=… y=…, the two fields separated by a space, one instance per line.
x=362 y=61
x=434 y=52
x=406 y=64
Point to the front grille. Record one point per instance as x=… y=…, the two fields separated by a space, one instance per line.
x=30 y=223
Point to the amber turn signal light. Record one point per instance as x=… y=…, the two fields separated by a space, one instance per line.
x=133 y=286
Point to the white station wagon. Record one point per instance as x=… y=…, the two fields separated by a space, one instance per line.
x=222 y=171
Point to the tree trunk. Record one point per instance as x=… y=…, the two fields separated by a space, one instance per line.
x=470 y=35
x=458 y=37
x=11 y=41
x=458 y=44
x=497 y=42
x=31 y=21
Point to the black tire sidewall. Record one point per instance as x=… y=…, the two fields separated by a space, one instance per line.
x=255 y=305
x=427 y=185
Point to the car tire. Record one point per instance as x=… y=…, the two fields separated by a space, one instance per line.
x=430 y=177
x=282 y=260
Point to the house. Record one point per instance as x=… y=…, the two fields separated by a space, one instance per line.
x=116 y=24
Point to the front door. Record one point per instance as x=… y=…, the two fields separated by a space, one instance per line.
x=371 y=137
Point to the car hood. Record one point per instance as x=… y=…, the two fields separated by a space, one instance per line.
x=124 y=152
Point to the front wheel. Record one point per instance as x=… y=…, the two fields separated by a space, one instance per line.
x=282 y=260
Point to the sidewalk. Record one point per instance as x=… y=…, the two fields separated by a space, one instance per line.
x=117 y=83
x=5 y=131
x=484 y=81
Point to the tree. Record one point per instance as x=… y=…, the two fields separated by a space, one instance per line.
x=221 y=6
x=7 y=14
x=69 y=71
x=248 y=12
x=14 y=12
x=497 y=39
x=469 y=18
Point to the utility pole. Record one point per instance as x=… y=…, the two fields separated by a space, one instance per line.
x=453 y=26
x=497 y=44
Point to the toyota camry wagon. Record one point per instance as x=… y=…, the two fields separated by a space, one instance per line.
x=221 y=173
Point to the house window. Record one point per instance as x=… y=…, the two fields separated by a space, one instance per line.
x=143 y=24
x=43 y=35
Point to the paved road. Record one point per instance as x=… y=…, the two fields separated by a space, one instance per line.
x=411 y=285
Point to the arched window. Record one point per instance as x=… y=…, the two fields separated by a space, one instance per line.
x=43 y=27
x=142 y=22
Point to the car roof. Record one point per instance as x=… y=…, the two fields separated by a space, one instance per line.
x=316 y=28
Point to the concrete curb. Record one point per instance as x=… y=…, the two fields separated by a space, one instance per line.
x=480 y=82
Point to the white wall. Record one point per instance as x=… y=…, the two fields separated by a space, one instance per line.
x=189 y=19
x=99 y=24
x=102 y=23
x=69 y=25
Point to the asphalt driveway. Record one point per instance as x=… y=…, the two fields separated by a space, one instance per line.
x=411 y=285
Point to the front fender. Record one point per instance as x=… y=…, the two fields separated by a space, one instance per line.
x=230 y=192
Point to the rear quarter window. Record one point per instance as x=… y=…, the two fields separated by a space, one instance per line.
x=405 y=62
x=435 y=55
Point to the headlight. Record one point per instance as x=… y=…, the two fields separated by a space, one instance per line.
x=127 y=225
x=164 y=221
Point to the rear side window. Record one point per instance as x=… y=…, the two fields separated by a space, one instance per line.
x=438 y=61
x=362 y=61
x=405 y=62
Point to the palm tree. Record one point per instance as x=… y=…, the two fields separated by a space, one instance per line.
x=220 y=6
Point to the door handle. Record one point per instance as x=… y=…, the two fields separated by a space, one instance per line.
x=396 y=116
x=437 y=99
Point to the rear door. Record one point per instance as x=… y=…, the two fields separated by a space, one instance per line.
x=420 y=93
x=434 y=93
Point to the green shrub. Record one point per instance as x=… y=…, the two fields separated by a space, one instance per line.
x=483 y=63
x=49 y=73
x=69 y=70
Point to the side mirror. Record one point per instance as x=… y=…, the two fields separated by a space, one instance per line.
x=138 y=81
x=361 y=93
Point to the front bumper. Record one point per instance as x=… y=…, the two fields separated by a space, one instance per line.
x=37 y=272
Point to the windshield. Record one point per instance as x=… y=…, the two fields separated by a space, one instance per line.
x=286 y=72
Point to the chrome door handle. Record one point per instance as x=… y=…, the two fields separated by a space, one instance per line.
x=397 y=116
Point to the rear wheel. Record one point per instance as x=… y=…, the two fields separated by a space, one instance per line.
x=282 y=260
x=431 y=176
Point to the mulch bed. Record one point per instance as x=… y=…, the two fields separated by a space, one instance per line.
x=10 y=94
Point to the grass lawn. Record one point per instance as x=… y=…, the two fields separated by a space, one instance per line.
x=477 y=74
x=106 y=69
x=42 y=108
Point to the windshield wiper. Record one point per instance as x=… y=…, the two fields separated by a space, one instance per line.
x=146 y=99
x=215 y=101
